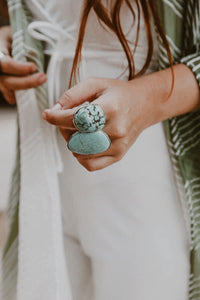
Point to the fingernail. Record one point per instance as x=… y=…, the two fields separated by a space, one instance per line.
x=33 y=68
x=57 y=106
x=42 y=78
x=44 y=115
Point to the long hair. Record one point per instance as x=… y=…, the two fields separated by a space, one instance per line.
x=111 y=19
x=3 y=9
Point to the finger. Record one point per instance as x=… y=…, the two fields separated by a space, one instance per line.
x=66 y=133
x=12 y=67
x=10 y=97
x=64 y=118
x=87 y=90
x=116 y=125
x=60 y=118
x=22 y=83
x=115 y=128
x=97 y=163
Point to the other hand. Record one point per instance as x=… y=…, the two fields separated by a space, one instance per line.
x=15 y=75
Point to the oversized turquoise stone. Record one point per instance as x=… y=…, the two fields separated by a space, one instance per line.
x=89 y=118
x=89 y=143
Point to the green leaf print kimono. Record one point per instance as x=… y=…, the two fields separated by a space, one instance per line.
x=34 y=244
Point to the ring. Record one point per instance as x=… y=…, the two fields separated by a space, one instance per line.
x=89 y=118
x=90 y=139
x=89 y=143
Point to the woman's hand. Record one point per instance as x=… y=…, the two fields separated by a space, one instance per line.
x=130 y=107
x=126 y=106
x=15 y=75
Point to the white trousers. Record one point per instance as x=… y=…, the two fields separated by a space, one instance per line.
x=124 y=231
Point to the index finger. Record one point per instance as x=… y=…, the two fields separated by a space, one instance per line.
x=12 y=67
x=61 y=118
x=87 y=90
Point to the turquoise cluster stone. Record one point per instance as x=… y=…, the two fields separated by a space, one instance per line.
x=90 y=139
x=89 y=118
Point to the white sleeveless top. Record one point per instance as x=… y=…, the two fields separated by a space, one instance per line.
x=58 y=21
x=102 y=54
x=147 y=163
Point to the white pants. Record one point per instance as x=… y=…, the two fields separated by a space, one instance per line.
x=124 y=231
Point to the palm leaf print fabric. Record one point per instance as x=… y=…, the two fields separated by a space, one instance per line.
x=181 y=21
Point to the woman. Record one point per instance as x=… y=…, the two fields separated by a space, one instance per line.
x=124 y=230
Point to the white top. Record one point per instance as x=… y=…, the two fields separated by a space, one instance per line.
x=147 y=162
x=102 y=53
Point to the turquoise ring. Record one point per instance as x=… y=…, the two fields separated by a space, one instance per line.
x=89 y=120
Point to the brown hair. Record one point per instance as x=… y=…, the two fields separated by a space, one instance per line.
x=3 y=9
x=112 y=20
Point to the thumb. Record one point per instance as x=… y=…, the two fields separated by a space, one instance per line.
x=87 y=90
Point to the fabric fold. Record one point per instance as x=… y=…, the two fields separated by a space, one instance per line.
x=37 y=247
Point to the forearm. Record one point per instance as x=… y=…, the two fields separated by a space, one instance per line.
x=184 y=98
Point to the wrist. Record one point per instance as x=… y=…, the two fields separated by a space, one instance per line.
x=158 y=88
x=163 y=104
x=148 y=92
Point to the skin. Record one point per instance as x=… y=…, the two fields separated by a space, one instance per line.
x=16 y=75
x=130 y=107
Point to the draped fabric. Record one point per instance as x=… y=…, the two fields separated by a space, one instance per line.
x=33 y=256
x=181 y=21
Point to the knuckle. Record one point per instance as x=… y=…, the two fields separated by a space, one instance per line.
x=94 y=82
x=5 y=64
x=5 y=82
x=120 y=132
x=31 y=83
x=66 y=97
x=120 y=149
x=119 y=157
x=51 y=118
x=9 y=98
x=90 y=166
x=10 y=101
x=115 y=111
x=91 y=80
